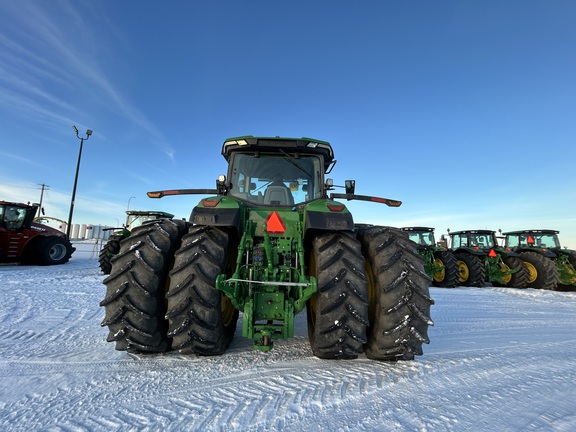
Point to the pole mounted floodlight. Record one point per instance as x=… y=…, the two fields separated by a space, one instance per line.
x=88 y=133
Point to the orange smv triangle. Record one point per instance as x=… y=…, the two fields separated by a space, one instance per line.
x=275 y=224
x=492 y=253
x=530 y=240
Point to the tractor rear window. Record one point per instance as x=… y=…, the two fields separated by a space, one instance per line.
x=533 y=240
x=422 y=238
x=275 y=180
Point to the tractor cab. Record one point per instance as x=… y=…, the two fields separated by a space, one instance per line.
x=135 y=218
x=276 y=172
x=422 y=236
x=483 y=240
x=15 y=216
x=543 y=239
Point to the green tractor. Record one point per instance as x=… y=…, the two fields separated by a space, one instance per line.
x=270 y=242
x=481 y=260
x=440 y=263
x=550 y=266
x=134 y=218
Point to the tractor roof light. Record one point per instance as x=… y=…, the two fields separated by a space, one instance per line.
x=241 y=142
x=314 y=145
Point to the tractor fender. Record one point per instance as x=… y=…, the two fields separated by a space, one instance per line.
x=323 y=221
x=223 y=217
x=570 y=252
x=478 y=253
x=508 y=253
x=546 y=252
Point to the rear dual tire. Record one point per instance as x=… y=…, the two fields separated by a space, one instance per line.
x=373 y=296
x=202 y=320
x=338 y=312
x=135 y=305
x=399 y=295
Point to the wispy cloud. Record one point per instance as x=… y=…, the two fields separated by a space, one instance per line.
x=51 y=57
x=19 y=158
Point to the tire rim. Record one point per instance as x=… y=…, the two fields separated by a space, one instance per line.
x=57 y=252
x=228 y=310
x=532 y=272
x=570 y=272
x=464 y=272
x=440 y=275
x=507 y=277
x=312 y=304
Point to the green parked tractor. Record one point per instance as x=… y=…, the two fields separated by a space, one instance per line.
x=440 y=263
x=550 y=265
x=270 y=242
x=134 y=218
x=481 y=260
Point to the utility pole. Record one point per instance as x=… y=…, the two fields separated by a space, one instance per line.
x=44 y=186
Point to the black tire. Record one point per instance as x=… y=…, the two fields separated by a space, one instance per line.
x=519 y=279
x=338 y=312
x=201 y=318
x=447 y=278
x=135 y=290
x=110 y=249
x=471 y=269
x=52 y=250
x=543 y=272
x=399 y=295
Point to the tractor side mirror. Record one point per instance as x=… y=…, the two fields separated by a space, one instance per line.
x=221 y=184
x=350 y=186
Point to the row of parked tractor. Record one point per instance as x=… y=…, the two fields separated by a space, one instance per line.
x=518 y=259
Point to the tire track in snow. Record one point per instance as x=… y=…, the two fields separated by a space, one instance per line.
x=483 y=367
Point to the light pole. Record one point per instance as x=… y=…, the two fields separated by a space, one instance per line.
x=88 y=133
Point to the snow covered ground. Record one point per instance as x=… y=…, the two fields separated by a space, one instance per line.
x=499 y=360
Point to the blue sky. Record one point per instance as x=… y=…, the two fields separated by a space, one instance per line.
x=464 y=110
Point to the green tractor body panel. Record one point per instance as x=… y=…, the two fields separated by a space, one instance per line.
x=439 y=262
x=269 y=284
x=270 y=241
x=484 y=245
x=547 y=244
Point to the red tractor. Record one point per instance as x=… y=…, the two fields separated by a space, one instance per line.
x=25 y=241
